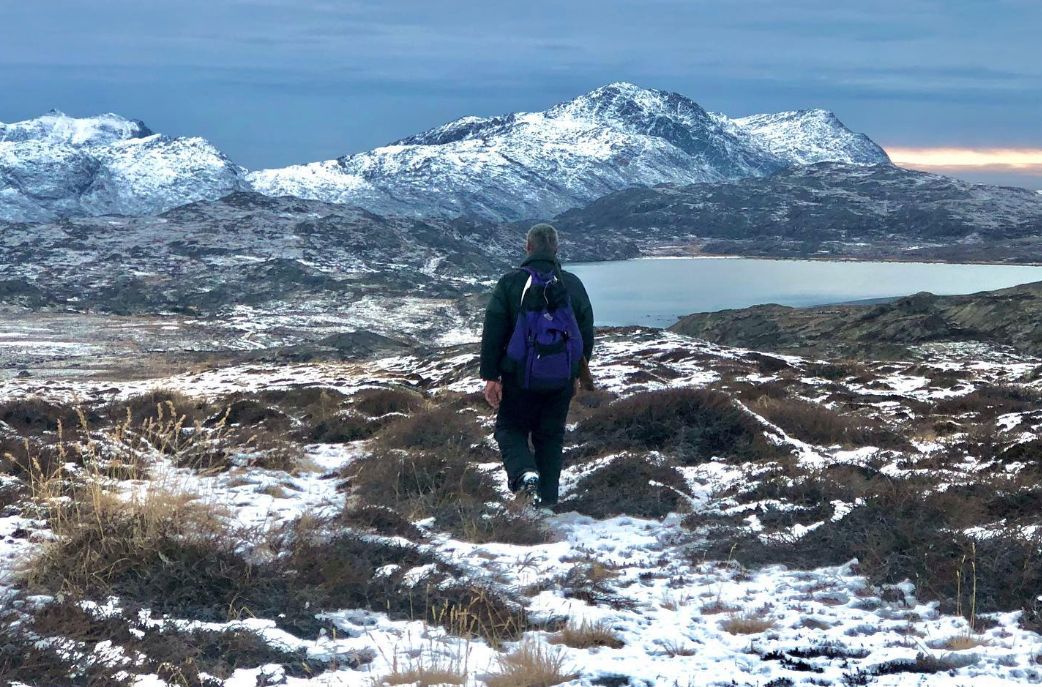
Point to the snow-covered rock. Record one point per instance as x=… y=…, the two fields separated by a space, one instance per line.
x=805 y=137
x=541 y=163
x=60 y=166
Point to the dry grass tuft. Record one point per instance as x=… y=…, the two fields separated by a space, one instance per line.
x=674 y=648
x=588 y=634
x=160 y=403
x=531 y=665
x=747 y=623
x=964 y=642
x=103 y=541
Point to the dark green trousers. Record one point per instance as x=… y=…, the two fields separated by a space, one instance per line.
x=539 y=416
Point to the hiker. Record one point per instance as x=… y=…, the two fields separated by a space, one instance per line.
x=538 y=335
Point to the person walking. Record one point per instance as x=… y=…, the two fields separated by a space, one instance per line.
x=537 y=336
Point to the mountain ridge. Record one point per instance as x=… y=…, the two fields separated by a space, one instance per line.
x=510 y=167
x=537 y=164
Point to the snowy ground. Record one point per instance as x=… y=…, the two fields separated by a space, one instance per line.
x=824 y=626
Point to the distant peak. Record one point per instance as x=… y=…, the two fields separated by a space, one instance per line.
x=625 y=102
x=626 y=86
x=56 y=126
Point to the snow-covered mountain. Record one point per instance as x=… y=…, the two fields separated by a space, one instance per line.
x=59 y=166
x=541 y=163
x=521 y=165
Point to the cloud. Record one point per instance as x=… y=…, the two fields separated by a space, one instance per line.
x=1027 y=161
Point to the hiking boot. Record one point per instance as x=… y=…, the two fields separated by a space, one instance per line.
x=530 y=486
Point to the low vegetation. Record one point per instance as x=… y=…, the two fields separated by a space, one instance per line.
x=588 y=634
x=691 y=425
x=427 y=470
x=818 y=424
x=631 y=484
x=748 y=623
x=531 y=665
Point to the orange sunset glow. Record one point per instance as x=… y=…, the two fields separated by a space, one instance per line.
x=1020 y=160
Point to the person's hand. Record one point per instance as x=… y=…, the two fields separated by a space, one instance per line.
x=493 y=393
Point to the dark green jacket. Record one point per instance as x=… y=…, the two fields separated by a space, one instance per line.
x=502 y=310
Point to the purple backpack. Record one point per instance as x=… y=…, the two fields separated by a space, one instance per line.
x=546 y=345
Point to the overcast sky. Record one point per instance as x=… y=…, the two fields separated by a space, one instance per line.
x=274 y=82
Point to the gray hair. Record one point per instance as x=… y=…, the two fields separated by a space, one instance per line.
x=542 y=238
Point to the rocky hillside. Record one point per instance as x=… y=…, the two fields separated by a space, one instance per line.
x=537 y=164
x=825 y=208
x=1008 y=317
x=60 y=166
x=250 y=250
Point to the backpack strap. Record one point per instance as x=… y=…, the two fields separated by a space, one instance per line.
x=524 y=291
x=533 y=275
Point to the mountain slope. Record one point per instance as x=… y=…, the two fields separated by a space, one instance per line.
x=60 y=166
x=248 y=249
x=816 y=205
x=539 y=164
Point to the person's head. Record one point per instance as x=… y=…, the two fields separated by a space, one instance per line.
x=541 y=240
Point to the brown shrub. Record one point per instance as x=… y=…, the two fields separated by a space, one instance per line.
x=585 y=403
x=255 y=414
x=750 y=392
x=143 y=548
x=835 y=370
x=35 y=417
x=322 y=414
x=184 y=656
x=990 y=400
x=380 y=402
x=589 y=581
x=447 y=486
x=637 y=485
x=174 y=556
x=693 y=424
x=337 y=429
x=306 y=401
x=768 y=364
x=904 y=532
x=25 y=660
x=818 y=424
x=435 y=429
x=347 y=571
x=161 y=403
x=416 y=483
x=380 y=520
